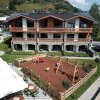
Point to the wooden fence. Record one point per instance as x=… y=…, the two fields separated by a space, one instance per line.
x=77 y=85
x=50 y=89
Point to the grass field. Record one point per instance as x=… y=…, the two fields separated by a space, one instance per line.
x=26 y=7
x=31 y=7
x=73 y=54
x=4 y=4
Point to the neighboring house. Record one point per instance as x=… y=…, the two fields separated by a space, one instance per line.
x=1 y=37
x=3 y=25
x=51 y=31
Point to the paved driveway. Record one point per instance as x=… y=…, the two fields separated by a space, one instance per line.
x=90 y=92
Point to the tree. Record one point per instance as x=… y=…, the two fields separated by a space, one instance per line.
x=95 y=12
x=12 y=5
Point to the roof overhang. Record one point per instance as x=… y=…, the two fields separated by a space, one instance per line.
x=51 y=16
x=78 y=16
x=18 y=16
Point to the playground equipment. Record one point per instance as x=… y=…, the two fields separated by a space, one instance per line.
x=75 y=71
x=38 y=58
x=47 y=69
x=59 y=64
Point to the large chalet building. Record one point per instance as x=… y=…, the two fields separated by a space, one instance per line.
x=51 y=31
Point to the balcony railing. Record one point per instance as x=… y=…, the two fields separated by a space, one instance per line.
x=51 y=30
x=23 y=39
x=50 y=40
x=77 y=40
x=78 y=30
x=20 y=29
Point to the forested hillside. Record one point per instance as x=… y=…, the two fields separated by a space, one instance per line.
x=8 y=6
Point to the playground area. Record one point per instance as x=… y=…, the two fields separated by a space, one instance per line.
x=54 y=70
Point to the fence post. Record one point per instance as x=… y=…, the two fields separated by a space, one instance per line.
x=61 y=97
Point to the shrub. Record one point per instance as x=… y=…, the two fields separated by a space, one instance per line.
x=91 y=66
x=97 y=60
x=87 y=69
x=65 y=84
x=8 y=51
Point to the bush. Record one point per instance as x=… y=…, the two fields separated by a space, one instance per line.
x=97 y=60
x=87 y=69
x=8 y=51
x=65 y=84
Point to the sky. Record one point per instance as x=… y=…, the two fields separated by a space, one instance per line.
x=83 y=4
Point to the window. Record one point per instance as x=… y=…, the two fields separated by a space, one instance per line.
x=30 y=35
x=71 y=24
x=18 y=23
x=31 y=47
x=19 y=34
x=83 y=25
x=43 y=35
x=82 y=35
x=30 y=23
x=70 y=35
x=43 y=23
x=57 y=23
x=57 y=36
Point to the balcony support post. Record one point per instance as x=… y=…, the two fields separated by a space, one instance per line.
x=50 y=48
x=23 y=47
x=75 y=37
x=12 y=46
x=24 y=23
x=63 y=49
x=77 y=48
x=37 y=47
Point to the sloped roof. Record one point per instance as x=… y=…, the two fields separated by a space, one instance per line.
x=63 y=16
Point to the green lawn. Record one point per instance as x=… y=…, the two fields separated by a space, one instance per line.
x=75 y=54
x=4 y=4
x=3 y=47
x=10 y=58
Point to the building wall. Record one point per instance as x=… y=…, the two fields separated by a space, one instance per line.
x=25 y=43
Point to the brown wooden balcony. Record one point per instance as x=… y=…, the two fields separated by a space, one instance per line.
x=51 y=30
x=64 y=30
x=20 y=29
x=78 y=40
x=22 y=39
x=50 y=40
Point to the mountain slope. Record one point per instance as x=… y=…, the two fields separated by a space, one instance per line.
x=30 y=5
